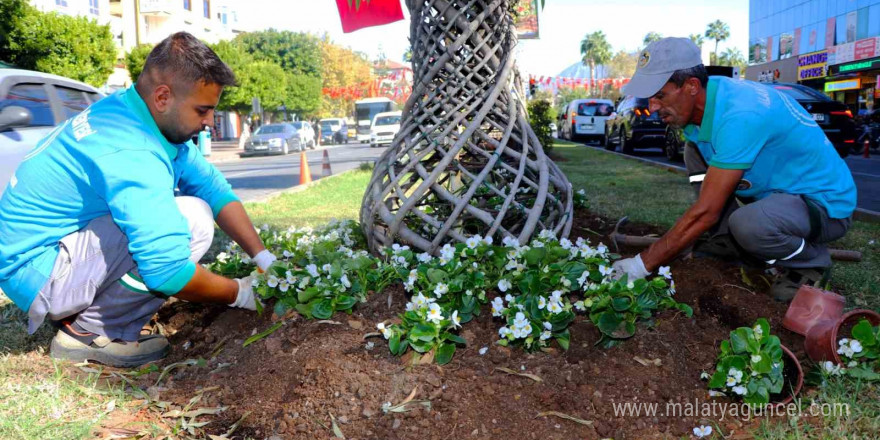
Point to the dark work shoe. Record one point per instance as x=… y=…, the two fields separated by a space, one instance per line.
x=72 y=344
x=788 y=281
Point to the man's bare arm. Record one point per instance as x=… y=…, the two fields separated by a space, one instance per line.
x=717 y=188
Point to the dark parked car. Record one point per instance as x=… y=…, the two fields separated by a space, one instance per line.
x=834 y=117
x=634 y=126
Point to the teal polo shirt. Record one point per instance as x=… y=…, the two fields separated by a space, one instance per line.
x=775 y=141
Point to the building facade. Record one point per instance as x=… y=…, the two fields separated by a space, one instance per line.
x=830 y=45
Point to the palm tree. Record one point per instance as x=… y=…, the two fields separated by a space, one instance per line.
x=734 y=58
x=651 y=37
x=595 y=50
x=718 y=31
x=697 y=39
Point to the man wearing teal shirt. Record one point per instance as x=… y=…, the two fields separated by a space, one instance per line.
x=111 y=212
x=768 y=180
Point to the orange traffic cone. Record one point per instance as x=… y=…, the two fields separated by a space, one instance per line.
x=305 y=176
x=325 y=165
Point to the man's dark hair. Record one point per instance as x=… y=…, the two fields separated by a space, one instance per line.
x=699 y=72
x=186 y=60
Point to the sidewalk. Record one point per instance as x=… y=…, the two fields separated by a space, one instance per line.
x=224 y=151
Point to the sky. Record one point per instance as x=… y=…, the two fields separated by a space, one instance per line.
x=563 y=25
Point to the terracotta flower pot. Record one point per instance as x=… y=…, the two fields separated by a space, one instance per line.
x=798 y=381
x=821 y=344
x=811 y=305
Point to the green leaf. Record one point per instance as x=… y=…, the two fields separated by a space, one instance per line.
x=764 y=326
x=863 y=372
x=422 y=332
x=262 y=334
x=739 y=340
x=563 y=339
x=719 y=379
x=323 y=309
x=621 y=303
x=864 y=333
x=443 y=353
x=454 y=338
x=305 y=309
x=534 y=256
x=394 y=344
x=306 y=295
x=345 y=302
x=437 y=276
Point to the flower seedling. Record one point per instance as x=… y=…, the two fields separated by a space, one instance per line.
x=860 y=353
x=750 y=364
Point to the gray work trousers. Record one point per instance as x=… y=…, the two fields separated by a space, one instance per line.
x=96 y=278
x=776 y=229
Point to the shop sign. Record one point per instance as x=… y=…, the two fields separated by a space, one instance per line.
x=859 y=50
x=812 y=65
x=847 y=84
x=860 y=65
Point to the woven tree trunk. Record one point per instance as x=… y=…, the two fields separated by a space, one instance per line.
x=465 y=162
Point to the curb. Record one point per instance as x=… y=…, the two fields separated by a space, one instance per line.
x=860 y=214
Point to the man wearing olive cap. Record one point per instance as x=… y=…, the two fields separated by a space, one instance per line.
x=768 y=181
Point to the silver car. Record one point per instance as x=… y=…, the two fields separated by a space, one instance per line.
x=32 y=104
x=273 y=139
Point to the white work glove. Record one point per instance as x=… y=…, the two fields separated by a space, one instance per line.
x=246 y=298
x=634 y=268
x=264 y=259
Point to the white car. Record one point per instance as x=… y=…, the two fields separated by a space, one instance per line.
x=384 y=127
x=32 y=104
x=585 y=119
x=305 y=135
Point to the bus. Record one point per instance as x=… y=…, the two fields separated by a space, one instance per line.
x=364 y=111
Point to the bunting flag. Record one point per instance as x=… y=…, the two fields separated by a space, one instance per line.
x=358 y=14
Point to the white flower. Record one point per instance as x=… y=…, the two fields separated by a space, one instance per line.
x=255 y=282
x=488 y=240
x=542 y=302
x=509 y=298
x=580 y=306
x=456 y=321
x=731 y=381
x=704 y=376
x=852 y=364
x=410 y=306
x=435 y=314
x=545 y=335
x=441 y=289
x=222 y=257
x=832 y=368
x=326 y=268
x=420 y=300
x=548 y=326
x=554 y=307
x=605 y=271
x=602 y=249
x=737 y=374
x=345 y=282
x=538 y=244
x=511 y=265
x=473 y=242
x=483 y=350
x=287 y=253
x=702 y=431
x=565 y=243
x=756 y=358
x=413 y=276
x=566 y=283
x=630 y=285
x=582 y=280
x=665 y=272
x=739 y=389
x=520 y=320
x=283 y=285
x=581 y=192
x=386 y=332
x=504 y=332
x=843 y=342
x=855 y=346
x=759 y=332
x=469 y=292
x=272 y=281
x=556 y=296
x=312 y=269
x=425 y=257
x=503 y=285
x=497 y=306
x=510 y=242
x=447 y=252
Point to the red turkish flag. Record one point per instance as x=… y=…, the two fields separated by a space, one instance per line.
x=370 y=13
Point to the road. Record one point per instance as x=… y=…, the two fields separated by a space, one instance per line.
x=866 y=173
x=255 y=178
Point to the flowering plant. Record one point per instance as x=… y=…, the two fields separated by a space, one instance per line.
x=750 y=364
x=859 y=354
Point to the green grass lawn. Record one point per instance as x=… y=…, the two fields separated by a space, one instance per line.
x=37 y=397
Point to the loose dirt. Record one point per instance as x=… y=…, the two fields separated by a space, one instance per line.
x=292 y=381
